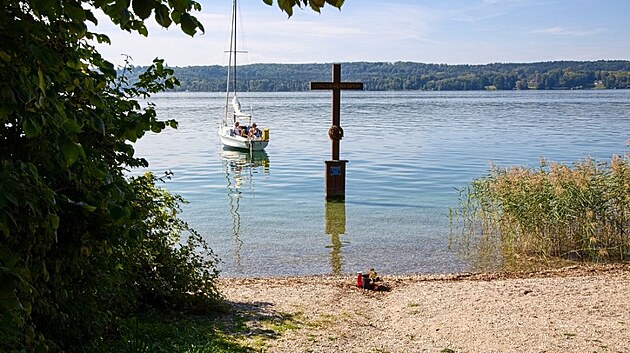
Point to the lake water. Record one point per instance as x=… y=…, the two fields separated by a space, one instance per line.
x=408 y=152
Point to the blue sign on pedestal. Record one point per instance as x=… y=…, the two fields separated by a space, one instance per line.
x=335 y=180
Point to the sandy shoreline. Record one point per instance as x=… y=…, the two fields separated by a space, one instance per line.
x=573 y=309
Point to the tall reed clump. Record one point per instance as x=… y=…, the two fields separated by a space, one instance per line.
x=577 y=212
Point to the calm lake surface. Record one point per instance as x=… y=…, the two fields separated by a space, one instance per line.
x=408 y=153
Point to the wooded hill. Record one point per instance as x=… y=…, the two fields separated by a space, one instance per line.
x=380 y=76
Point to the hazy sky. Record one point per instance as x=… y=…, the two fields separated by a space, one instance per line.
x=427 y=31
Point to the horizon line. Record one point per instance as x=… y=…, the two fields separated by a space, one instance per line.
x=404 y=61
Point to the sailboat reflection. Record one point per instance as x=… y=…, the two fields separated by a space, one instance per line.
x=240 y=168
x=335 y=214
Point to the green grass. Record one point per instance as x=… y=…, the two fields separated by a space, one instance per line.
x=379 y=350
x=283 y=324
x=247 y=330
x=184 y=334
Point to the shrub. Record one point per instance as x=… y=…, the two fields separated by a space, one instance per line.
x=80 y=241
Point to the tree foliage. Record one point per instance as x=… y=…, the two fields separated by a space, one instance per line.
x=316 y=5
x=81 y=243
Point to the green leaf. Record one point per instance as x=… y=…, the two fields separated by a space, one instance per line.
x=59 y=107
x=315 y=7
x=44 y=4
x=87 y=207
x=336 y=3
x=83 y=205
x=32 y=169
x=125 y=16
x=80 y=29
x=102 y=38
x=189 y=24
x=172 y=123
x=132 y=135
x=31 y=128
x=90 y=17
x=143 y=8
x=181 y=5
x=158 y=127
x=54 y=221
x=143 y=31
x=77 y=13
x=268 y=2
x=286 y=6
x=176 y=16
x=45 y=273
x=4 y=56
x=71 y=126
x=41 y=81
x=162 y=16
x=98 y=125
x=71 y=151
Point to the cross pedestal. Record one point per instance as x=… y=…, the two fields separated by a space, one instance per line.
x=336 y=168
x=335 y=180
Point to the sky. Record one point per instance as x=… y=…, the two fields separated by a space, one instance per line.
x=426 y=31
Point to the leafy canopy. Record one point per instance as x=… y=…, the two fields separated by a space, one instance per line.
x=316 y=5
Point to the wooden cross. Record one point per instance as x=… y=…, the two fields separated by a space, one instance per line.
x=336 y=132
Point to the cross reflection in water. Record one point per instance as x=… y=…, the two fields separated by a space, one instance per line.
x=335 y=219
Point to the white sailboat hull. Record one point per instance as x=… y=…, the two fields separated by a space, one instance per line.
x=244 y=143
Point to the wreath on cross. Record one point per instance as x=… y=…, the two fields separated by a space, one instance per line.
x=335 y=133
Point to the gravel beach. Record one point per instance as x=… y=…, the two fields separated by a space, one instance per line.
x=584 y=308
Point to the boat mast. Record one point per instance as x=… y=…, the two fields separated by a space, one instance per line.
x=234 y=48
x=231 y=63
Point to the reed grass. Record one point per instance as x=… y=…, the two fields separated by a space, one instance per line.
x=580 y=212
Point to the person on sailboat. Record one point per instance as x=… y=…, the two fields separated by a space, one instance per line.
x=254 y=131
x=238 y=130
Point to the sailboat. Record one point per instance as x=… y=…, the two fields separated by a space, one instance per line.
x=237 y=130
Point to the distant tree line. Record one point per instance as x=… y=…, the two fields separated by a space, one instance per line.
x=383 y=76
